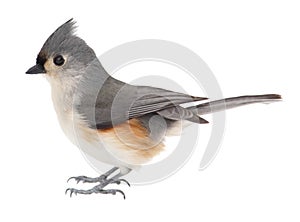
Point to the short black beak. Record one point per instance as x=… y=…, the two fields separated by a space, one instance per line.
x=37 y=69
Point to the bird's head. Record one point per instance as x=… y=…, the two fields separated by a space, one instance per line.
x=63 y=54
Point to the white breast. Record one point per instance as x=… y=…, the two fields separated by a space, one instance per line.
x=63 y=107
x=89 y=141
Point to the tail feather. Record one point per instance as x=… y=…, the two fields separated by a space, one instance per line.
x=220 y=105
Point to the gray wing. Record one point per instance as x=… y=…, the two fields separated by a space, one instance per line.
x=180 y=113
x=152 y=99
x=117 y=102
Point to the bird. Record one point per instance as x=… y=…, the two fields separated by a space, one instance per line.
x=117 y=123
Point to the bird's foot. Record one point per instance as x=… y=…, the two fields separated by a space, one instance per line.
x=104 y=180
x=101 y=179
x=95 y=189
x=85 y=179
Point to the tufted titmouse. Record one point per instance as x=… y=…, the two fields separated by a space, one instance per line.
x=114 y=122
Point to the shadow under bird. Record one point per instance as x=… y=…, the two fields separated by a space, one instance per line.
x=114 y=122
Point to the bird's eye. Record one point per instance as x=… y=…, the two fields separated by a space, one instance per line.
x=59 y=60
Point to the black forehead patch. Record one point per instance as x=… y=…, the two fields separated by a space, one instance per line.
x=41 y=59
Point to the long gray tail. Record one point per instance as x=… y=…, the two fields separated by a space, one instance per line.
x=220 y=105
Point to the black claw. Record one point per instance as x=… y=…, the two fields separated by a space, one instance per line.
x=119 y=181
x=125 y=181
x=71 y=191
x=114 y=191
x=121 y=192
x=67 y=190
x=75 y=178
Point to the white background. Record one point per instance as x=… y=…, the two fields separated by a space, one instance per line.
x=252 y=47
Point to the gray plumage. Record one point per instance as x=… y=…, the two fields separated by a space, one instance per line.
x=233 y=102
x=116 y=102
x=64 y=41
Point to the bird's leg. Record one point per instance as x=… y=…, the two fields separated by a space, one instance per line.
x=103 y=180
